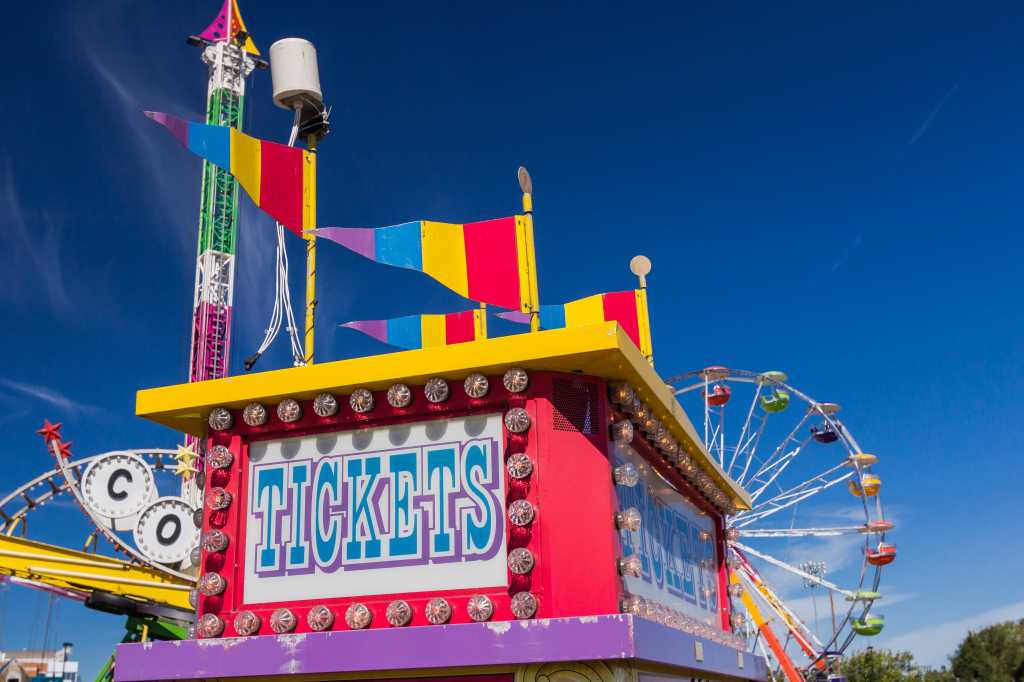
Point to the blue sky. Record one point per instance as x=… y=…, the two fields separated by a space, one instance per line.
x=831 y=193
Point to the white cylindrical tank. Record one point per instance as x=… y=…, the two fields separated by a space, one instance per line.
x=294 y=72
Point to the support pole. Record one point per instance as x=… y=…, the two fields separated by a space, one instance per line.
x=526 y=185
x=480 y=322
x=641 y=267
x=311 y=265
x=310 y=297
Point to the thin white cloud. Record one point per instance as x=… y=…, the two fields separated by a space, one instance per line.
x=923 y=128
x=31 y=258
x=847 y=252
x=49 y=396
x=132 y=88
x=933 y=644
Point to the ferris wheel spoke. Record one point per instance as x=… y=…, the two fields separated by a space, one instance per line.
x=794 y=625
x=742 y=441
x=714 y=425
x=753 y=440
x=715 y=444
x=791 y=438
x=707 y=419
x=689 y=389
x=779 y=563
x=794 y=495
x=773 y=472
x=800 y=532
x=819 y=479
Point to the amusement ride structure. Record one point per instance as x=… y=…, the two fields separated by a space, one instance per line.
x=230 y=54
x=800 y=465
x=152 y=535
x=708 y=529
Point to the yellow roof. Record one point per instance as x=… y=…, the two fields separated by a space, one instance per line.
x=601 y=350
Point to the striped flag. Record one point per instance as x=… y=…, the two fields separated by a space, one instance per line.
x=279 y=179
x=491 y=261
x=425 y=331
x=628 y=308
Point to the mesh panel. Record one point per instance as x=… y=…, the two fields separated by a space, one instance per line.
x=575 y=405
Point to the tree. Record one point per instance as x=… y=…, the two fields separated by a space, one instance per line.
x=994 y=654
x=872 y=665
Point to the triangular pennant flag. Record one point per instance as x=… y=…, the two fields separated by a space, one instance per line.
x=490 y=261
x=228 y=25
x=628 y=308
x=425 y=331
x=279 y=179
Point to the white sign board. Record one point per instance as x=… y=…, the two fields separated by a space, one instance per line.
x=405 y=508
x=676 y=544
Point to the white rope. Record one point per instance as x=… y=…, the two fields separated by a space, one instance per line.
x=282 y=291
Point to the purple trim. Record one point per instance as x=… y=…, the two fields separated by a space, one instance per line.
x=659 y=644
x=377 y=329
x=447 y=646
x=362 y=240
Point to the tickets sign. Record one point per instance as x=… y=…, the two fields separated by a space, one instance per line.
x=404 y=508
x=676 y=543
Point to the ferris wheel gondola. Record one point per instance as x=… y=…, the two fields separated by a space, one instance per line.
x=804 y=471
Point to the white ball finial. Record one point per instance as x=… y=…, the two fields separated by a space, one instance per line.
x=640 y=266
x=525 y=183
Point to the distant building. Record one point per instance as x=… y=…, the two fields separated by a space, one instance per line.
x=38 y=666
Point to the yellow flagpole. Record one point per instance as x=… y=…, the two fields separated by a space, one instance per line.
x=641 y=267
x=310 y=256
x=526 y=185
x=480 y=322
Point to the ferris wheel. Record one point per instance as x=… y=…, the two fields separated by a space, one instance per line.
x=815 y=503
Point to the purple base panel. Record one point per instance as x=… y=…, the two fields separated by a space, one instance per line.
x=448 y=646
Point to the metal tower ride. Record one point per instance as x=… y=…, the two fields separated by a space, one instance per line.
x=231 y=56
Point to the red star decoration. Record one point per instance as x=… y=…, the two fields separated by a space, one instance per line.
x=64 y=449
x=49 y=431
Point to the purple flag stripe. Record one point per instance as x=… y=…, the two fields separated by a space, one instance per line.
x=177 y=126
x=358 y=239
x=515 y=316
x=378 y=329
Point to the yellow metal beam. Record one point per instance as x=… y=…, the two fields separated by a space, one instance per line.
x=601 y=350
x=73 y=570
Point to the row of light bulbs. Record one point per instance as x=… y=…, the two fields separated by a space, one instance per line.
x=358 y=616
x=623 y=433
x=642 y=418
x=362 y=401
x=652 y=610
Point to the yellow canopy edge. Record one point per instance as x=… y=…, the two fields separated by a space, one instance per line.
x=601 y=350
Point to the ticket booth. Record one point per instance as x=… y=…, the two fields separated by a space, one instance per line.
x=519 y=508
